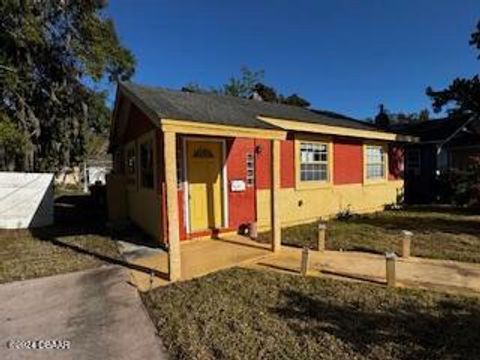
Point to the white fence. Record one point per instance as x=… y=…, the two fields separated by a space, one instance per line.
x=26 y=200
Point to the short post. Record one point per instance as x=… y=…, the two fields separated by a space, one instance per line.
x=322 y=228
x=390 y=258
x=253 y=230
x=151 y=280
x=304 y=264
x=406 y=243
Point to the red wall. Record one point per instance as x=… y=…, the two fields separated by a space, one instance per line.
x=181 y=217
x=347 y=169
x=241 y=204
x=347 y=161
x=287 y=164
x=262 y=164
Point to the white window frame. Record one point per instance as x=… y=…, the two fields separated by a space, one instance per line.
x=383 y=163
x=308 y=148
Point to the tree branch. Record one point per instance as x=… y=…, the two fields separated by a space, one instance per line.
x=6 y=68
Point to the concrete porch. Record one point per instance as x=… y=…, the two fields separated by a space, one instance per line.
x=198 y=257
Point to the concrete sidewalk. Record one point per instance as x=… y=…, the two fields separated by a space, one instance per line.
x=201 y=257
x=96 y=310
x=444 y=275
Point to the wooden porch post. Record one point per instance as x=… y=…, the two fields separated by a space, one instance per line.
x=170 y=155
x=275 y=197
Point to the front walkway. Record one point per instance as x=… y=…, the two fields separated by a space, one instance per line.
x=198 y=257
x=445 y=275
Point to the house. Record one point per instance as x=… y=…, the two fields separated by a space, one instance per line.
x=96 y=170
x=444 y=145
x=188 y=165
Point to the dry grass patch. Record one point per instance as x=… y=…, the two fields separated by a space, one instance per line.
x=77 y=241
x=438 y=233
x=246 y=314
x=24 y=256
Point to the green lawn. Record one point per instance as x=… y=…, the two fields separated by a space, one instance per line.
x=77 y=241
x=439 y=233
x=246 y=314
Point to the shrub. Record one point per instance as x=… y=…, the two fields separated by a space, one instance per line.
x=463 y=186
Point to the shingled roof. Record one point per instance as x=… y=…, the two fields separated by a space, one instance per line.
x=434 y=130
x=233 y=111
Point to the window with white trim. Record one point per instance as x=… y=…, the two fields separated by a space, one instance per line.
x=314 y=161
x=375 y=162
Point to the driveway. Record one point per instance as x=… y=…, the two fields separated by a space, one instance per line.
x=96 y=310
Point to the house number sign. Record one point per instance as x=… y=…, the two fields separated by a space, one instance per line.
x=237 y=185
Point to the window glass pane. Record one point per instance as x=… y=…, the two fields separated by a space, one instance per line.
x=375 y=166
x=313 y=162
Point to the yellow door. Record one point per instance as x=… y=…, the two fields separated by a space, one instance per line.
x=204 y=169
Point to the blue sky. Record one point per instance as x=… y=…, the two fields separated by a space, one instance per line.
x=342 y=55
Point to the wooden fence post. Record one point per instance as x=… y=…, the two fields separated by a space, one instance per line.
x=406 y=243
x=253 y=230
x=320 y=245
x=390 y=258
x=304 y=264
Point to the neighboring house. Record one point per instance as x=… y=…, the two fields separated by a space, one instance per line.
x=445 y=145
x=188 y=165
x=97 y=170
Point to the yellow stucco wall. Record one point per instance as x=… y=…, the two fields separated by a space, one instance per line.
x=308 y=205
x=144 y=210
x=144 y=204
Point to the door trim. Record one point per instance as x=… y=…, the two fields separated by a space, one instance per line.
x=186 y=206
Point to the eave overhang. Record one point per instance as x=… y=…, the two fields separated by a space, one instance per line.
x=300 y=126
x=210 y=129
